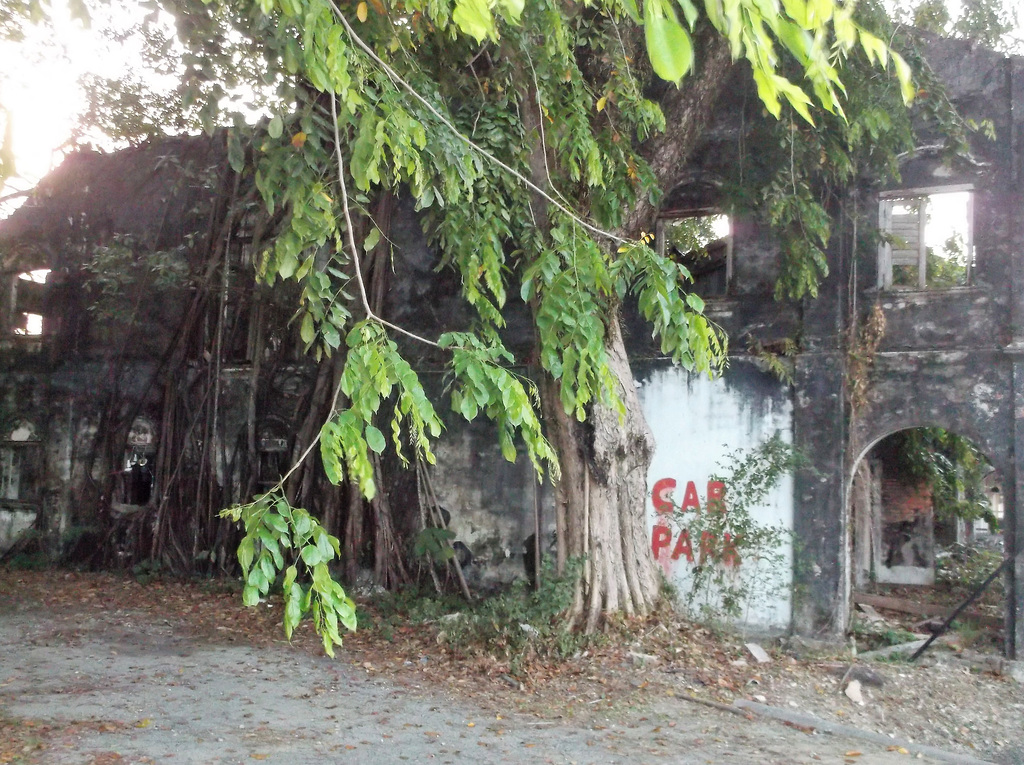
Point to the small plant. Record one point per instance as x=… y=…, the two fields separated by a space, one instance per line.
x=862 y=348
x=961 y=568
x=737 y=560
x=777 y=356
x=515 y=625
x=969 y=633
x=147 y=571
x=435 y=544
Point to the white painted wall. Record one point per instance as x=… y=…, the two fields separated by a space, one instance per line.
x=696 y=423
x=12 y=523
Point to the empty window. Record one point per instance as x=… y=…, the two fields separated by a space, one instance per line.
x=136 y=479
x=10 y=473
x=927 y=238
x=701 y=241
x=20 y=464
x=27 y=301
x=273 y=456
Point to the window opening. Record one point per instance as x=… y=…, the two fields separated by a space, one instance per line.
x=19 y=463
x=137 y=478
x=927 y=239
x=10 y=473
x=37 y=276
x=273 y=459
x=27 y=299
x=700 y=241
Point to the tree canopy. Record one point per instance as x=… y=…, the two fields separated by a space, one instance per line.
x=536 y=139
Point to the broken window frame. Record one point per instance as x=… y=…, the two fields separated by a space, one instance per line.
x=888 y=259
x=670 y=216
x=19 y=322
x=139 y=452
x=21 y=468
x=10 y=473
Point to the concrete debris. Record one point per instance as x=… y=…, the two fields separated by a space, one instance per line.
x=1016 y=670
x=804 y=648
x=759 y=654
x=853 y=692
x=894 y=650
x=860 y=672
x=870 y=613
x=643 y=658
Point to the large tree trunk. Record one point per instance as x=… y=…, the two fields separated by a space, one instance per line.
x=601 y=498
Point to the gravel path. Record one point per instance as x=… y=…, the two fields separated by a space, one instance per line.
x=123 y=686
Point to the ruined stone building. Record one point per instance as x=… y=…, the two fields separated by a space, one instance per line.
x=183 y=385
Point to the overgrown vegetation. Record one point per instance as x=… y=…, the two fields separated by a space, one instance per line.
x=951 y=466
x=739 y=562
x=962 y=568
x=871 y=635
x=516 y=626
x=523 y=132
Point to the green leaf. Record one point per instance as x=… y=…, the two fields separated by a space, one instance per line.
x=245 y=553
x=323 y=544
x=275 y=127
x=474 y=18
x=302 y=522
x=630 y=7
x=689 y=12
x=513 y=9
x=311 y=555
x=904 y=76
x=267 y=567
x=668 y=44
x=874 y=48
x=236 y=154
x=307 y=331
x=371 y=239
x=799 y=100
x=375 y=439
x=289 y=577
x=288 y=265
x=250 y=596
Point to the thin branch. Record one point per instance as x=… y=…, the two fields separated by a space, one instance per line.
x=391 y=73
x=540 y=125
x=15 y=195
x=352 y=239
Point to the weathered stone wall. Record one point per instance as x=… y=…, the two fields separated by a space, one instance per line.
x=952 y=358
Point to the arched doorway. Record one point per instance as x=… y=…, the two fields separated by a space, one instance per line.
x=925 y=517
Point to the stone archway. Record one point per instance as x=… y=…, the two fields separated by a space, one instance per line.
x=912 y=493
x=967 y=393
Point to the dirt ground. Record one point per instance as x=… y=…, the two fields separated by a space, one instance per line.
x=99 y=669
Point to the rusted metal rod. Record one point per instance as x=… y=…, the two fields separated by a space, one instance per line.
x=956 y=612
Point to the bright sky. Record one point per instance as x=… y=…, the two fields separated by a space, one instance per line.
x=39 y=86
x=39 y=82
x=40 y=93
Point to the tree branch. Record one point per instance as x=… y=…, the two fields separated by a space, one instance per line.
x=688 y=110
